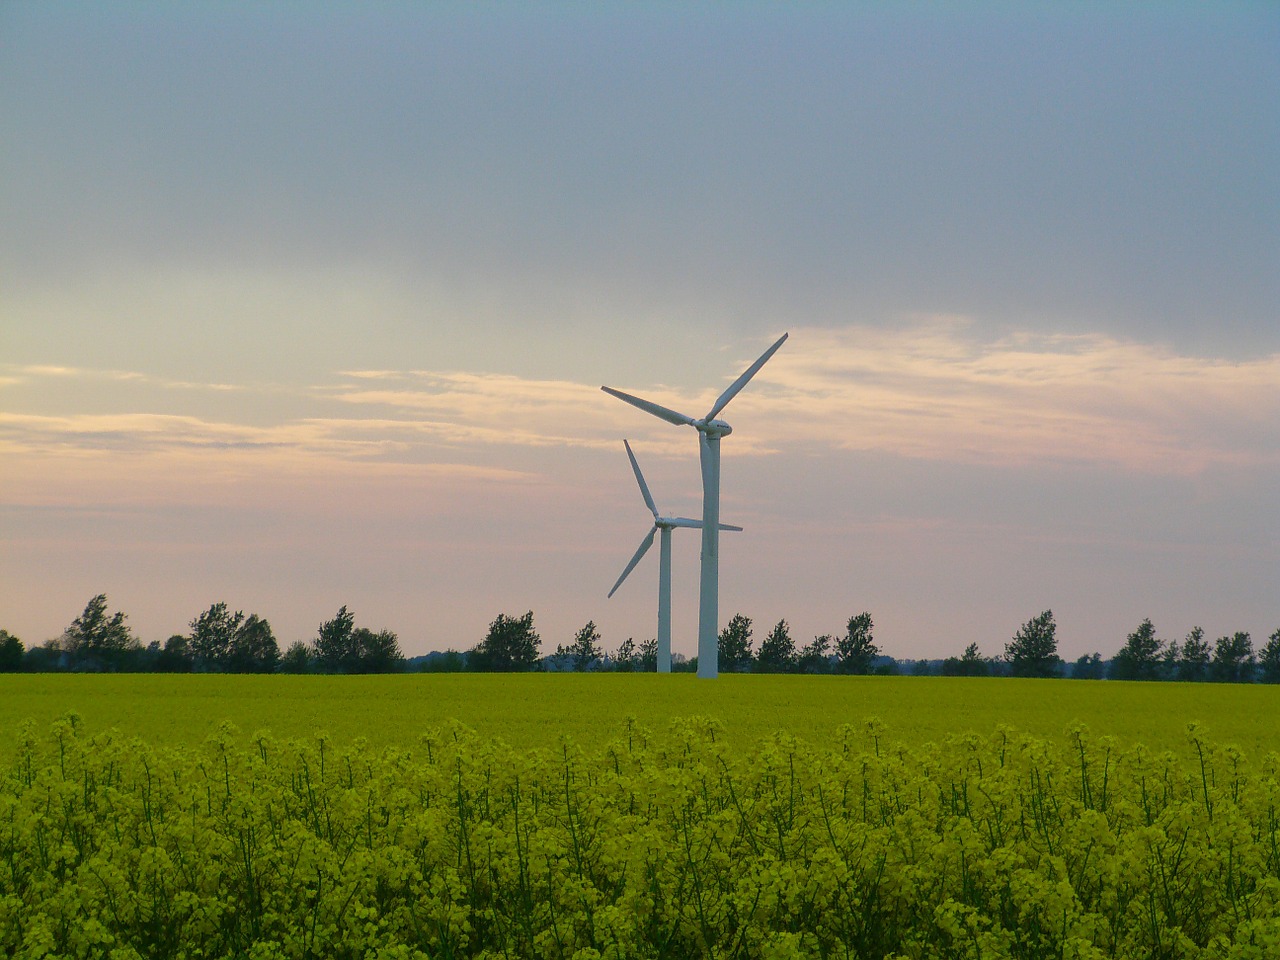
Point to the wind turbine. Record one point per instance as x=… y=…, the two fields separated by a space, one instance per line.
x=710 y=430
x=663 y=525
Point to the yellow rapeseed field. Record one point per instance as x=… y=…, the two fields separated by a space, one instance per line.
x=649 y=844
x=588 y=817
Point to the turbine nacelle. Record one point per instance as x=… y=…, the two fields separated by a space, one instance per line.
x=713 y=428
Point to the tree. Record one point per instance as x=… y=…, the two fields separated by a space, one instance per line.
x=971 y=663
x=1269 y=659
x=856 y=651
x=377 y=652
x=1169 y=661
x=1033 y=651
x=297 y=659
x=253 y=648
x=778 y=651
x=446 y=661
x=175 y=656
x=510 y=645
x=649 y=656
x=735 y=645
x=96 y=641
x=212 y=635
x=224 y=641
x=815 y=657
x=1088 y=667
x=585 y=649
x=46 y=657
x=342 y=647
x=1233 y=660
x=627 y=656
x=559 y=661
x=11 y=652
x=335 y=644
x=1194 y=663
x=1139 y=658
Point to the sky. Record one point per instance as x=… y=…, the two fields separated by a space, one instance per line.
x=308 y=305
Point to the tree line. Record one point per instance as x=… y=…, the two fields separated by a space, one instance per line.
x=225 y=641
x=512 y=644
x=220 y=641
x=1031 y=652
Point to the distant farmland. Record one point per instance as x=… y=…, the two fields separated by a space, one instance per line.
x=535 y=710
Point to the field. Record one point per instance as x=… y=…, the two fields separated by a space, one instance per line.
x=580 y=817
x=528 y=711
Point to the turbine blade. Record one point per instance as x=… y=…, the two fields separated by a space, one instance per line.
x=682 y=522
x=644 y=487
x=741 y=382
x=696 y=524
x=648 y=406
x=645 y=544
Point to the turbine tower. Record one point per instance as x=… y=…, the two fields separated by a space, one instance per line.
x=710 y=430
x=663 y=525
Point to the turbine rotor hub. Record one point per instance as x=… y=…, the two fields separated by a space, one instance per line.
x=714 y=428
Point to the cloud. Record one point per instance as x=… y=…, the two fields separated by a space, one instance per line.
x=373 y=374
x=219 y=446
x=24 y=373
x=131 y=433
x=27 y=371
x=47 y=370
x=933 y=390
x=478 y=408
x=147 y=461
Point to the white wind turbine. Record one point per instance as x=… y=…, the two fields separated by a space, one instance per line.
x=663 y=525
x=710 y=430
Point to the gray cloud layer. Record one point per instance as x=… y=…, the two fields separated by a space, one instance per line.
x=1106 y=169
